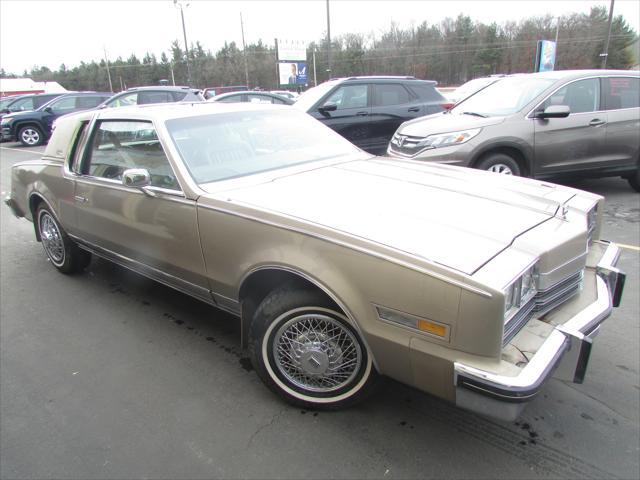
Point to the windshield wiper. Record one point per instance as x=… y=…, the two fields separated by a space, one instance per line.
x=475 y=114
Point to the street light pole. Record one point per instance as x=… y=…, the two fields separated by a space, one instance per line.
x=605 y=55
x=186 y=45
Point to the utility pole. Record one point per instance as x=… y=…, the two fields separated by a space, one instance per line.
x=277 y=65
x=106 y=59
x=244 y=54
x=555 y=67
x=605 y=55
x=315 y=77
x=186 y=45
x=328 y=42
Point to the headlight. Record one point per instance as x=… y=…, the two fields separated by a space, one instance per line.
x=592 y=223
x=448 y=139
x=519 y=292
x=6 y=121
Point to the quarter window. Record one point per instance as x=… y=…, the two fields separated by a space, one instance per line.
x=621 y=92
x=350 y=96
x=124 y=100
x=120 y=145
x=387 y=95
x=581 y=96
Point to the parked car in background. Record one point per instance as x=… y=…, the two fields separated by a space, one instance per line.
x=34 y=127
x=213 y=91
x=471 y=87
x=153 y=94
x=578 y=123
x=22 y=103
x=251 y=96
x=368 y=110
x=287 y=94
x=471 y=286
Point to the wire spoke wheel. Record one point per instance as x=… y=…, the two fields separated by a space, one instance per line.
x=52 y=238
x=316 y=353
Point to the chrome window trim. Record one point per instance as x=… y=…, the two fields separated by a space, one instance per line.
x=438 y=276
x=87 y=152
x=108 y=182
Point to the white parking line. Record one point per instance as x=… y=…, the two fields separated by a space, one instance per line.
x=628 y=247
x=22 y=150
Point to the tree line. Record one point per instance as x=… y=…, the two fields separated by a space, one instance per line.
x=451 y=52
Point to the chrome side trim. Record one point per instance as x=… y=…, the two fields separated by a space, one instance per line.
x=366 y=251
x=159 y=276
x=228 y=304
x=566 y=349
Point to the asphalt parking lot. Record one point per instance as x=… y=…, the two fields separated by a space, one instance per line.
x=110 y=375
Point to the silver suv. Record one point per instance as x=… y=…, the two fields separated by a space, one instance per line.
x=540 y=125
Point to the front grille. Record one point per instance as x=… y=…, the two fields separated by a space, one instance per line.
x=405 y=144
x=541 y=303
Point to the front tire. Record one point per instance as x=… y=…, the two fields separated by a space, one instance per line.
x=63 y=252
x=30 y=136
x=307 y=352
x=500 y=163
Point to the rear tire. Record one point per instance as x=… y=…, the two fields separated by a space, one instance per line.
x=62 y=252
x=500 y=163
x=30 y=136
x=308 y=353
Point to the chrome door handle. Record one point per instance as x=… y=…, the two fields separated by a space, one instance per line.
x=596 y=121
x=80 y=199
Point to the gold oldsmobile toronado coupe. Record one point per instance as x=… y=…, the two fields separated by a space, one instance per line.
x=341 y=266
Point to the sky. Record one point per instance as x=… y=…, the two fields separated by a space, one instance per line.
x=49 y=33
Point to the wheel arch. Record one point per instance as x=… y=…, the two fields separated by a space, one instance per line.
x=258 y=282
x=518 y=152
x=35 y=199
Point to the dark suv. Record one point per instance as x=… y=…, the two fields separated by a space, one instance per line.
x=368 y=110
x=34 y=128
x=157 y=94
x=23 y=103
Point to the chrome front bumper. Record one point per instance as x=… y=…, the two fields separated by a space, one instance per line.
x=564 y=354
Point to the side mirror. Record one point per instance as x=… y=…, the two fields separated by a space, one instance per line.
x=554 y=111
x=136 y=177
x=48 y=110
x=5 y=110
x=328 y=107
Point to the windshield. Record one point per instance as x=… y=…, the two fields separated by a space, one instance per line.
x=309 y=98
x=229 y=145
x=466 y=89
x=509 y=95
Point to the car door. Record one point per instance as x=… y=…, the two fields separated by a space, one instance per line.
x=577 y=141
x=153 y=231
x=391 y=104
x=351 y=116
x=57 y=108
x=621 y=97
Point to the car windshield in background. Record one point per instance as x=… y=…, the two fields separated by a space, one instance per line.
x=505 y=97
x=309 y=98
x=223 y=146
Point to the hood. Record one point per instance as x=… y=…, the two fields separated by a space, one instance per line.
x=457 y=217
x=445 y=122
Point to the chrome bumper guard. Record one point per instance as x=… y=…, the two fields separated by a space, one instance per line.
x=9 y=202
x=565 y=353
